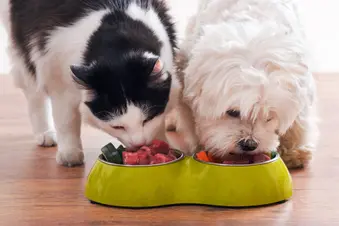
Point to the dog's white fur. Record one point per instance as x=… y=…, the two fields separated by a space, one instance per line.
x=251 y=56
x=54 y=86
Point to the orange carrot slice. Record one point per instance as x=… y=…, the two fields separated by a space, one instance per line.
x=202 y=155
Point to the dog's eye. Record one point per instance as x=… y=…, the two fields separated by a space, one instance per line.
x=233 y=113
x=118 y=127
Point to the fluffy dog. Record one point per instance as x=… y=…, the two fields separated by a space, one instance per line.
x=247 y=82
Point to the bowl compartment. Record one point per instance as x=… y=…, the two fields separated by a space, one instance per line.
x=177 y=153
x=242 y=185
x=134 y=185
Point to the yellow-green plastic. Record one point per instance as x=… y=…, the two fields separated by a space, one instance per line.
x=189 y=181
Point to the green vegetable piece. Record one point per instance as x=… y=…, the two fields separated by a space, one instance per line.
x=111 y=154
x=121 y=149
x=273 y=154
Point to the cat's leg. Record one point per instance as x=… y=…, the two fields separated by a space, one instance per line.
x=66 y=114
x=40 y=116
x=37 y=102
x=299 y=142
x=68 y=126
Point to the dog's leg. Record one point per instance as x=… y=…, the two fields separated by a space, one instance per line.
x=161 y=135
x=299 y=143
x=180 y=118
x=66 y=114
x=185 y=127
x=171 y=120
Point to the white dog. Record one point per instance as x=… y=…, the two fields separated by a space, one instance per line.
x=247 y=81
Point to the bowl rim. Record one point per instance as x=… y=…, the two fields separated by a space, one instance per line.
x=276 y=157
x=181 y=157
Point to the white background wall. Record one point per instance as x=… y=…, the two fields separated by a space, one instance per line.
x=320 y=18
x=4 y=63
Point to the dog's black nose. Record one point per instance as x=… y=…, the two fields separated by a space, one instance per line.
x=248 y=144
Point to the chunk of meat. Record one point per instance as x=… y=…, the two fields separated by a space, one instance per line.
x=130 y=158
x=146 y=149
x=234 y=158
x=162 y=158
x=158 y=152
x=240 y=161
x=159 y=146
x=144 y=157
x=245 y=159
x=172 y=155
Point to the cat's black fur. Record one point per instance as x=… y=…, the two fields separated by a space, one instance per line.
x=36 y=18
x=119 y=75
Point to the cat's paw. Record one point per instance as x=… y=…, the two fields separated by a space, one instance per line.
x=46 y=139
x=70 y=157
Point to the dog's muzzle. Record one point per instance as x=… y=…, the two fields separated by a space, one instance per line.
x=248 y=145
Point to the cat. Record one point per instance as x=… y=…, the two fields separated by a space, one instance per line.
x=106 y=62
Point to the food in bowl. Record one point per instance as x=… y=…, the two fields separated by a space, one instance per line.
x=156 y=153
x=234 y=159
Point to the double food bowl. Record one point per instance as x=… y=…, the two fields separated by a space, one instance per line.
x=189 y=181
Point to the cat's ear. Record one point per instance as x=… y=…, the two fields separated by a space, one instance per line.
x=80 y=74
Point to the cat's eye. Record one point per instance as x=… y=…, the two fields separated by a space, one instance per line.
x=158 y=67
x=118 y=127
x=157 y=71
x=233 y=113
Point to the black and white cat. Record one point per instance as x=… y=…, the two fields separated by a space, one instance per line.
x=118 y=52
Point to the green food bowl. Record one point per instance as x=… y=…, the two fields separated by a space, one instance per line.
x=189 y=181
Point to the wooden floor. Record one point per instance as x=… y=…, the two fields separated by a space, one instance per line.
x=34 y=190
